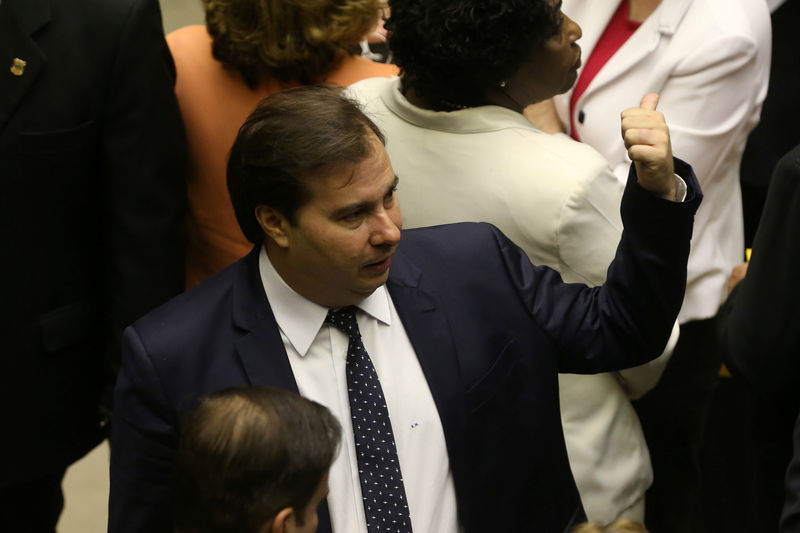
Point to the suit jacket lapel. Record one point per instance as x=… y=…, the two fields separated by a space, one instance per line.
x=18 y=21
x=430 y=334
x=261 y=351
x=660 y=25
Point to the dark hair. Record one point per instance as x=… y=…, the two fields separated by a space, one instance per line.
x=291 y=135
x=455 y=50
x=288 y=40
x=244 y=454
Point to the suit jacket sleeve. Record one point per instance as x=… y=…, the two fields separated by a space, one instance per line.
x=144 y=442
x=628 y=320
x=758 y=324
x=588 y=234
x=142 y=165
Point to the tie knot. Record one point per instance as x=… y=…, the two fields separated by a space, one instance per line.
x=344 y=319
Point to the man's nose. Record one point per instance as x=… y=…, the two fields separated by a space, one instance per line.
x=385 y=230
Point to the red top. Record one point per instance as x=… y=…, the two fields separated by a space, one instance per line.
x=619 y=28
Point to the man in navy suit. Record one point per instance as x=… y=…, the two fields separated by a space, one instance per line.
x=465 y=335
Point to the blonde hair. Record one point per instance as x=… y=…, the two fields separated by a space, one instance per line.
x=620 y=526
x=289 y=40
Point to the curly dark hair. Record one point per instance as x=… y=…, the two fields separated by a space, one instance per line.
x=455 y=50
x=287 y=40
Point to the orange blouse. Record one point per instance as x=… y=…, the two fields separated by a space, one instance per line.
x=215 y=102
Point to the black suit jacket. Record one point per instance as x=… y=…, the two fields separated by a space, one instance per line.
x=91 y=212
x=490 y=330
x=758 y=324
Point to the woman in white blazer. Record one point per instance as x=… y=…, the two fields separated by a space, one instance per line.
x=455 y=130
x=709 y=61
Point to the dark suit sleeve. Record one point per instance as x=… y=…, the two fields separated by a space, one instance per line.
x=143 y=170
x=790 y=521
x=628 y=320
x=143 y=446
x=758 y=329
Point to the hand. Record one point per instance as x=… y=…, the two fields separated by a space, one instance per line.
x=738 y=274
x=543 y=115
x=646 y=137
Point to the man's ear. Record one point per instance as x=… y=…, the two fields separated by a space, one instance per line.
x=280 y=524
x=274 y=224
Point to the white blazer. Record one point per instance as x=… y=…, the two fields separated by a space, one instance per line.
x=709 y=61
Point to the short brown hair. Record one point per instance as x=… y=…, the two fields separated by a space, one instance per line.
x=288 y=40
x=246 y=453
x=291 y=136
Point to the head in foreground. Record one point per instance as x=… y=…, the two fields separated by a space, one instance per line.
x=287 y=40
x=310 y=178
x=467 y=53
x=253 y=460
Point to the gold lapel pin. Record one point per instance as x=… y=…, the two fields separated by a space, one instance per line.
x=18 y=66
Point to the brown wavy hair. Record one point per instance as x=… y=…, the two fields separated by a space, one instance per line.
x=288 y=40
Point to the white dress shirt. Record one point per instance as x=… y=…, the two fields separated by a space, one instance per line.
x=318 y=353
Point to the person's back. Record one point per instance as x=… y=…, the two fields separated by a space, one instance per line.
x=225 y=68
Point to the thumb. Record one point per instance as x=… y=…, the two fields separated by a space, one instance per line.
x=649 y=101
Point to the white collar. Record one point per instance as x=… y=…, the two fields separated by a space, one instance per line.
x=471 y=120
x=299 y=318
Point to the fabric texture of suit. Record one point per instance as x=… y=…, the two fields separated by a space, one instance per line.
x=91 y=213
x=558 y=201
x=709 y=61
x=490 y=330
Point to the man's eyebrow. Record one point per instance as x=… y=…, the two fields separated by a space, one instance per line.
x=357 y=206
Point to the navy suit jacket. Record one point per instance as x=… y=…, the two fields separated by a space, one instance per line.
x=490 y=330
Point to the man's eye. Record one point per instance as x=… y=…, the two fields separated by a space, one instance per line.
x=354 y=215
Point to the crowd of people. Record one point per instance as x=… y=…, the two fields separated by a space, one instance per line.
x=486 y=285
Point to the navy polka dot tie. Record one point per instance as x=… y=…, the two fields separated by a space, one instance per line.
x=383 y=494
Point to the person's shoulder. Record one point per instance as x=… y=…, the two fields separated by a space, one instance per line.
x=207 y=306
x=95 y=20
x=742 y=24
x=189 y=38
x=369 y=89
x=786 y=176
x=449 y=240
x=791 y=161
x=356 y=68
x=560 y=161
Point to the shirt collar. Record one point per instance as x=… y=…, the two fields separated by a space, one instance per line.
x=299 y=318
